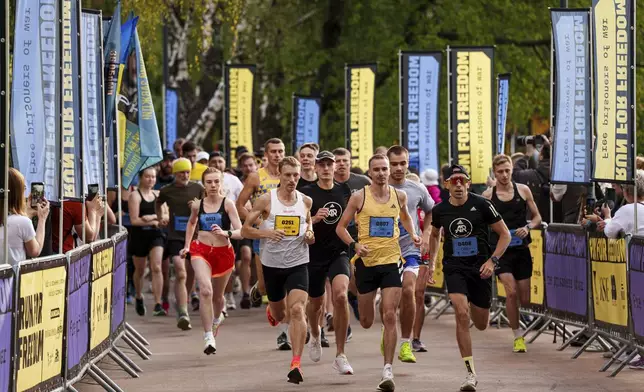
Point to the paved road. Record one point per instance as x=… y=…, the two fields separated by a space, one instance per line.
x=247 y=360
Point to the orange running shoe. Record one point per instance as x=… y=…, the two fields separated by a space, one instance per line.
x=295 y=376
x=271 y=319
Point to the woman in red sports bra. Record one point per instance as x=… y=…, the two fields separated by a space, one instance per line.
x=211 y=255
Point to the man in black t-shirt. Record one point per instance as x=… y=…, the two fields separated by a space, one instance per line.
x=468 y=262
x=307 y=156
x=328 y=258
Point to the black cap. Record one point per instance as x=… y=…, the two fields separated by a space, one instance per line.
x=456 y=169
x=216 y=154
x=168 y=154
x=240 y=150
x=322 y=155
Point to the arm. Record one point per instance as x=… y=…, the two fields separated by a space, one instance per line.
x=504 y=238
x=356 y=200
x=34 y=246
x=90 y=219
x=235 y=222
x=111 y=217
x=262 y=205
x=244 y=196
x=405 y=218
x=134 y=203
x=309 y=236
x=487 y=193
x=529 y=198
x=426 y=204
x=618 y=224
x=159 y=210
x=192 y=223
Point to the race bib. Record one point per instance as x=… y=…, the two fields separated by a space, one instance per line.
x=403 y=231
x=465 y=247
x=515 y=241
x=290 y=225
x=180 y=223
x=126 y=219
x=381 y=227
x=207 y=220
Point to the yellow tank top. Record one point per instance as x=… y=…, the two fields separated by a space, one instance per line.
x=378 y=229
x=266 y=183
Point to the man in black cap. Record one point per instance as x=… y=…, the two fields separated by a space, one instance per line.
x=468 y=263
x=165 y=176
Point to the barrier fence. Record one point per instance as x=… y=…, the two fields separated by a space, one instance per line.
x=59 y=315
x=581 y=279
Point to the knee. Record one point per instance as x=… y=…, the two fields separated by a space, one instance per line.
x=365 y=322
x=206 y=293
x=462 y=315
x=180 y=274
x=510 y=292
x=389 y=318
x=297 y=311
x=408 y=293
x=155 y=268
x=340 y=298
x=481 y=325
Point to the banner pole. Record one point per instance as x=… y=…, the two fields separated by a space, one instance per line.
x=7 y=150
x=81 y=70
x=401 y=141
x=61 y=183
x=293 y=124
x=552 y=128
x=164 y=86
x=101 y=78
x=449 y=115
x=632 y=109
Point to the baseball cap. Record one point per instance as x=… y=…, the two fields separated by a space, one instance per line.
x=456 y=169
x=168 y=154
x=322 y=155
x=202 y=155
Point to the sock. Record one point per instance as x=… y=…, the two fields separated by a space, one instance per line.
x=208 y=334
x=387 y=367
x=296 y=360
x=517 y=333
x=404 y=340
x=183 y=309
x=216 y=320
x=469 y=364
x=283 y=327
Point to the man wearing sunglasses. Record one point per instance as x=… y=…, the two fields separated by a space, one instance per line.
x=468 y=262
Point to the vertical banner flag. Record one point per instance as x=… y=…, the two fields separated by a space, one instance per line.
x=35 y=95
x=119 y=282
x=636 y=286
x=72 y=170
x=40 y=326
x=419 y=88
x=78 y=310
x=572 y=109
x=101 y=295
x=91 y=53
x=4 y=102
x=614 y=40
x=565 y=271
x=470 y=104
x=111 y=61
x=306 y=120
x=608 y=263
x=360 y=112
x=502 y=100
x=6 y=328
x=171 y=117
x=239 y=81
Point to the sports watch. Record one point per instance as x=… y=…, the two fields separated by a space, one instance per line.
x=496 y=261
x=230 y=234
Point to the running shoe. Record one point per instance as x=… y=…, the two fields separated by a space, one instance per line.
x=271 y=319
x=210 y=346
x=183 y=322
x=329 y=322
x=237 y=285
x=315 y=349
x=418 y=346
x=519 y=345
x=387 y=381
x=295 y=376
x=216 y=325
x=264 y=299
x=166 y=305
x=308 y=337
x=382 y=341
x=159 y=311
x=230 y=301
x=323 y=339
x=194 y=301
x=405 y=354
x=255 y=297
x=637 y=363
x=341 y=365
x=245 y=301
x=470 y=382
x=349 y=334
x=283 y=343
x=129 y=299
x=140 y=307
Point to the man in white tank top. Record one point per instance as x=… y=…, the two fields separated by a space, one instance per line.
x=285 y=235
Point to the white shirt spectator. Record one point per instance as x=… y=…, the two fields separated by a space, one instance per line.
x=624 y=221
x=233 y=186
x=21 y=230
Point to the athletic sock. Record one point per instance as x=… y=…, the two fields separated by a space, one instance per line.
x=208 y=334
x=403 y=340
x=469 y=364
x=517 y=333
x=296 y=360
x=283 y=327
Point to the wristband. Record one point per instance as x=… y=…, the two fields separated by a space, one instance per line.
x=230 y=234
x=495 y=260
x=352 y=246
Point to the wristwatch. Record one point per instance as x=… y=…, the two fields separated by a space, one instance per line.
x=496 y=261
x=230 y=234
x=352 y=246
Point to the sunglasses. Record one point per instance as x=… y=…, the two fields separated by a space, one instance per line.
x=458 y=180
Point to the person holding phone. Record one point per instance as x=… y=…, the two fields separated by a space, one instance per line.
x=23 y=240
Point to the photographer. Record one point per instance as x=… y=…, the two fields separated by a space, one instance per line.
x=533 y=170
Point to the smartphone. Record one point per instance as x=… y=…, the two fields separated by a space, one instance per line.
x=92 y=191
x=609 y=194
x=37 y=193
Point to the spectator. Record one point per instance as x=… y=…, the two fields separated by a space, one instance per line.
x=23 y=241
x=430 y=180
x=536 y=176
x=639 y=163
x=624 y=219
x=203 y=157
x=165 y=176
x=178 y=147
x=73 y=223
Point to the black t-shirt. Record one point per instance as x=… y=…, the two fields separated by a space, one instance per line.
x=466 y=228
x=355 y=182
x=327 y=243
x=302 y=183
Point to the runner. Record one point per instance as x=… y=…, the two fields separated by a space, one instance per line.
x=306 y=155
x=211 y=253
x=148 y=240
x=256 y=185
x=247 y=164
x=416 y=273
x=285 y=233
x=378 y=262
x=466 y=220
x=177 y=196
x=512 y=201
x=328 y=259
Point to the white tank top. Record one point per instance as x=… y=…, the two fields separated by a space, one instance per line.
x=292 y=250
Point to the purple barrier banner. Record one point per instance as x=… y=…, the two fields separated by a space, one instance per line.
x=565 y=271
x=6 y=330
x=636 y=286
x=78 y=311
x=119 y=284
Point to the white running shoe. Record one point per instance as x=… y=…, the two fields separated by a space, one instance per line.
x=230 y=301
x=215 y=326
x=210 y=346
x=341 y=365
x=470 y=383
x=315 y=349
x=387 y=381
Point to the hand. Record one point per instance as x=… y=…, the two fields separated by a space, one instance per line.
x=417 y=240
x=191 y=202
x=154 y=223
x=163 y=222
x=601 y=225
x=593 y=218
x=605 y=211
x=424 y=246
x=361 y=250
x=274 y=235
x=320 y=215
x=216 y=230
x=43 y=210
x=487 y=269
x=309 y=237
x=522 y=232
x=184 y=252
x=431 y=267
x=490 y=182
x=31 y=211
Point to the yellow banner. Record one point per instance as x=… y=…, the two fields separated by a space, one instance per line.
x=41 y=316
x=361 y=83
x=101 y=301
x=240 y=110
x=608 y=260
x=439 y=277
x=536 y=281
x=471 y=109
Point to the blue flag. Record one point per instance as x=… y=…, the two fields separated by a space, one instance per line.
x=111 y=53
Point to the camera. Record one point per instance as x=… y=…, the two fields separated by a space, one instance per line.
x=536 y=141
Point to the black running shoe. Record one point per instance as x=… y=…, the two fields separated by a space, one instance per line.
x=353 y=301
x=282 y=342
x=308 y=336
x=255 y=297
x=329 y=322
x=295 y=376
x=323 y=340
x=245 y=302
x=159 y=311
x=194 y=301
x=140 y=307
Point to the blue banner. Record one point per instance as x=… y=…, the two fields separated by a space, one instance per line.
x=572 y=92
x=91 y=52
x=111 y=56
x=306 y=120
x=35 y=95
x=503 y=91
x=171 y=117
x=419 y=100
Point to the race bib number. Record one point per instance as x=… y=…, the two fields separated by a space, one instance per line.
x=290 y=225
x=515 y=241
x=465 y=247
x=207 y=220
x=180 y=223
x=381 y=227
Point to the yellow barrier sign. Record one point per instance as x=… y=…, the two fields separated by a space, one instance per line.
x=536 y=281
x=101 y=301
x=608 y=262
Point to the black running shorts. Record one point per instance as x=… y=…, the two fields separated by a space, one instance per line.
x=369 y=279
x=516 y=261
x=280 y=281
x=320 y=271
x=144 y=241
x=172 y=248
x=466 y=279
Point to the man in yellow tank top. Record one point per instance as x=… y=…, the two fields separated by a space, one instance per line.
x=378 y=260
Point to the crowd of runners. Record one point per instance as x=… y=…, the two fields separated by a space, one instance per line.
x=311 y=239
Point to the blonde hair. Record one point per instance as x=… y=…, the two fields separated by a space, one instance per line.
x=17 y=203
x=213 y=170
x=500 y=159
x=289 y=161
